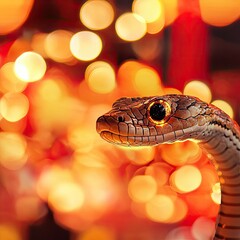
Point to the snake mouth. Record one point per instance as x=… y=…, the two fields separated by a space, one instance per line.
x=126 y=140
x=114 y=138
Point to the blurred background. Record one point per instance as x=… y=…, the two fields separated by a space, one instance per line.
x=62 y=65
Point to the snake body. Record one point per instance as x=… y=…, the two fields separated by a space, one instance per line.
x=165 y=119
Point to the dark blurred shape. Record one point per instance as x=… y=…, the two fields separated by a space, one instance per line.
x=47 y=229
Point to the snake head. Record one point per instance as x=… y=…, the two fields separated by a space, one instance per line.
x=153 y=120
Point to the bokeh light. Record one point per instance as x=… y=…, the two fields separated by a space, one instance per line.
x=100 y=77
x=85 y=45
x=141 y=155
x=147 y=82
x=130 y=27
x=198 y=89
x=38 y=43
x=180 y=211
x=96 y=20
x=147 y=49
x=19 y=46
x=160 y=208
x=150 y=10
x=219 y=12
x=14 y=106
x=30 y=67
x=182 y=233
x=61 y=198
x=216 y=193
x=203 y=228
x=136 y=78
x=156 y=26
x=160 y=171
x=181 y=153
x=13 y=14
x=186 y=179
x=142 y=188
x=57 y=46
x=170 y=11
x=9 y=82
x=10 y=159
x=153 y=13
x=223 y=105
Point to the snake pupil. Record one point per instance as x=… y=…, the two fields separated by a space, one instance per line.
x=157 y=112
x=121 y=119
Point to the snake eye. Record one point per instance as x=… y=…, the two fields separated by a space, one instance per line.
x=158 y=111
x=121 y=119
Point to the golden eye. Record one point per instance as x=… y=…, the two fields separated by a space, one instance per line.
x=159 y=111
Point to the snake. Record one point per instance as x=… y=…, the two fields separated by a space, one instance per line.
x=154 y=120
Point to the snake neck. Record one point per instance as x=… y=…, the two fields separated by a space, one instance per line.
x=223 y=145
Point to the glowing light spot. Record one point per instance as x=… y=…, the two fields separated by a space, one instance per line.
x=181 y=210
x=186 y=179
x=226 y=107
x=57 y=46
x=51 y=178
x=96 y=20
x=19 y=46
x=180 y=233
x=156 y=26
x=38 y=44
x=172 y=91
x=97 y=232
x=147 y=48
x=147 y=82
x=66 y=197
x=85 y=45
x=14 y=106
x=142 y=188
x=203 y=228
x=160 y=208
x=13 y=150
x=216 y=193
x=13 y=14
x=100 y=77
x=180 y=153
x=80 y=138
x=9 y=232
x=9 y=82
x=130 y=27
x=219 y=12
x=135 y=78
x=198 y=89
x=153 y=13
x=30 y=67
x=160 y=172
x=126 y=74
x=150 y=10
x=170 y=10
x=140 y=156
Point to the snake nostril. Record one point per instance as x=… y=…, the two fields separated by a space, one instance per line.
x=120 y=119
